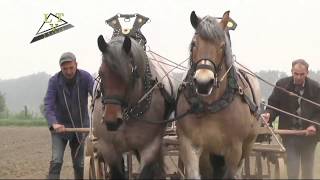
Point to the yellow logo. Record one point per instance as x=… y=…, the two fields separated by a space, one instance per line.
x=52 y=24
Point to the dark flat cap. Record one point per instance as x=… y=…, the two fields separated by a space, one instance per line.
x=67 y=57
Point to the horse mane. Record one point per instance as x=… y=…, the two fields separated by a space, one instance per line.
x=210 y=29
x=118 y=60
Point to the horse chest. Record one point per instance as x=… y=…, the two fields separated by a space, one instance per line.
x=203 y=129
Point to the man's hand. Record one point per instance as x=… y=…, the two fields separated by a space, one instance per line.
x=265 y=117
x=59 y=128
x=311 y=130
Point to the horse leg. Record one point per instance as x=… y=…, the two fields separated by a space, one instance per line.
x=190 y=156
x=246 y=148
x=247 y=145
x=117 y=169
x=205 y=166
x=218 y=165
x=232 y=160
x=113 y=160
x=151 y=161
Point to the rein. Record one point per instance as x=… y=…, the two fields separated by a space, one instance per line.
x=80 y=141
x=69 y=113
x=290 y=114
x=284 y=90
x=275 y=86
x=198 y=106
x=145 y=96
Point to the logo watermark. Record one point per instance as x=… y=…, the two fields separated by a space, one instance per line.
x=52 y=24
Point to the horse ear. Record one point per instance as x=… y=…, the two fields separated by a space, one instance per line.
x=225 y=20
x=102 y=44
x=126 y=44
x=194 y=20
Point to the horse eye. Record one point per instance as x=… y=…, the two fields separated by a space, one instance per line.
x=193 y=44
x=223 y=45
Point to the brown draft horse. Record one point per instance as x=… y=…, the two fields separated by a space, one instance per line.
x=120 y=122
x=219 y=128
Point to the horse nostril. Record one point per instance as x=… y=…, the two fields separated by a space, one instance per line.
x=119 y=120
x=113 y=126
x=211 y=81
x=194 y=79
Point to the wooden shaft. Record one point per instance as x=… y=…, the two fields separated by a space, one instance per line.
x=264 y=130
x=290 y=132
x=82 y=130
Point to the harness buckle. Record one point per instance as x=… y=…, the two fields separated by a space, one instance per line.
x=160 y=85
x=240 y=90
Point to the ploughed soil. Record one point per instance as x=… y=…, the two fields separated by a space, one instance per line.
x=25 y=153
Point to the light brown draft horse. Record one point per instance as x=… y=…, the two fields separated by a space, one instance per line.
x=216 y=124
x=120 y=122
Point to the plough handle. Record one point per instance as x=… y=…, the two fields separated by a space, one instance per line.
x=82 y=130
x=290 y=132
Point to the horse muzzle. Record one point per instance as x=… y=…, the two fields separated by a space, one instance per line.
x=112 y=117
x=113 y=126
x=204 y=81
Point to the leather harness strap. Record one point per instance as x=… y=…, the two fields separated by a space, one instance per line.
x=198 y=106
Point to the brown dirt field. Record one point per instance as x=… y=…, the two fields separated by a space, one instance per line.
x=25 y=154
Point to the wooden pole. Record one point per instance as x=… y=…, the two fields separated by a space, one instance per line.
x=264 y=130
x=82 y=130
x=290 y=132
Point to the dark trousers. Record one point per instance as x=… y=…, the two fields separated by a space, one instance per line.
x=59 y=143
x=300 y=151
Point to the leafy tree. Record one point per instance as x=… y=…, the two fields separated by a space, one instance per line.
x=271 y=76
x=2 y=103
x=41 y=108
x=315 y=75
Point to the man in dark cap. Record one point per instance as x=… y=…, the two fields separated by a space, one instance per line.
x=66 y=106
x=300 y=149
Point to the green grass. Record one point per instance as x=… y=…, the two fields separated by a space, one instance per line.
x=23 y=122
x=275 y=123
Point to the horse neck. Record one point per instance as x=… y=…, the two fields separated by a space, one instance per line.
x=137 y=91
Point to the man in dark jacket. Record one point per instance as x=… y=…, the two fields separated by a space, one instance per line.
x=66 y=106
x=300 y=149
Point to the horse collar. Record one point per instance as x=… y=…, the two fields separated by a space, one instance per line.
x=199 y=106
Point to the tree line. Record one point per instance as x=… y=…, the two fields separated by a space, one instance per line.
x=30 y=95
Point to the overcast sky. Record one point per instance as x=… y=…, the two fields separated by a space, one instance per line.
x=270 y=33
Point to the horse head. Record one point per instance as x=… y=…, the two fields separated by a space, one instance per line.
x=209 y=51
x=121 y=72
